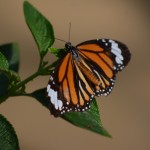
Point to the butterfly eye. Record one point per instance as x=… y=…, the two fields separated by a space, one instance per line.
x=68 y=46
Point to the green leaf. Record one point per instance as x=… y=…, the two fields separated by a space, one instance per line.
x=3 y=62
x=10 y=81
x=40 y=27
x=4 y=68
x=57 y=52
x=11 y=53
x=8 y=137
x=89 y=120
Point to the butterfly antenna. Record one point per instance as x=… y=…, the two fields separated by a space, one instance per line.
x=69 y=34
x=60 y=40
x=69 y=31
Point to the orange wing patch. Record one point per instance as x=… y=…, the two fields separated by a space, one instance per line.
x=106 y=59
x=71 y=83
x=66 y=90
x=81 y=99
x=93 y=47
x=95 y=58
x=63 y=68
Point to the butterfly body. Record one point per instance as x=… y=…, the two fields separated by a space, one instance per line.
x=78 y=60
x=87 y=70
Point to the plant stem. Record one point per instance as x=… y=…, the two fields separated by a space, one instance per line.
x=19 y=85
x=25 y=81
x=13 y=91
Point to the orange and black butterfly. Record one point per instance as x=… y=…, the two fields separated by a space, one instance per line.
x=87 y=70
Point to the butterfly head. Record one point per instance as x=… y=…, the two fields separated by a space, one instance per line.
x=69 y=46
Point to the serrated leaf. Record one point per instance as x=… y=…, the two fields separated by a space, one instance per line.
x=40 y=27
x=8 y=137
x=11 y=53
x=89 y=120
x=57 y=52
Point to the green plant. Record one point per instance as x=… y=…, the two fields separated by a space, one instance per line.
x=11 y=84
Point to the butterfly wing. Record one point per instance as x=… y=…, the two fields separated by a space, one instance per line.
x=68 y=90
x=104 y=58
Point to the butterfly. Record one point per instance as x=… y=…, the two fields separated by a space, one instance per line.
x=87 y=70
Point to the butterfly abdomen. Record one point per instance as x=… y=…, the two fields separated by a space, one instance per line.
x=90 y=75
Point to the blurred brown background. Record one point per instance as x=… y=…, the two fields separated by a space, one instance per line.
x=125 y=112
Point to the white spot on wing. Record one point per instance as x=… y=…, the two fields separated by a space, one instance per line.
x=118 y=61
x=111 y=41
x=103 y=40
x=117 y=54
x=51 y=78
x=54 y=99
x=116 y=51
x=115 y=47
x=51 y=95
x=60 y=104
x=50 y=92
